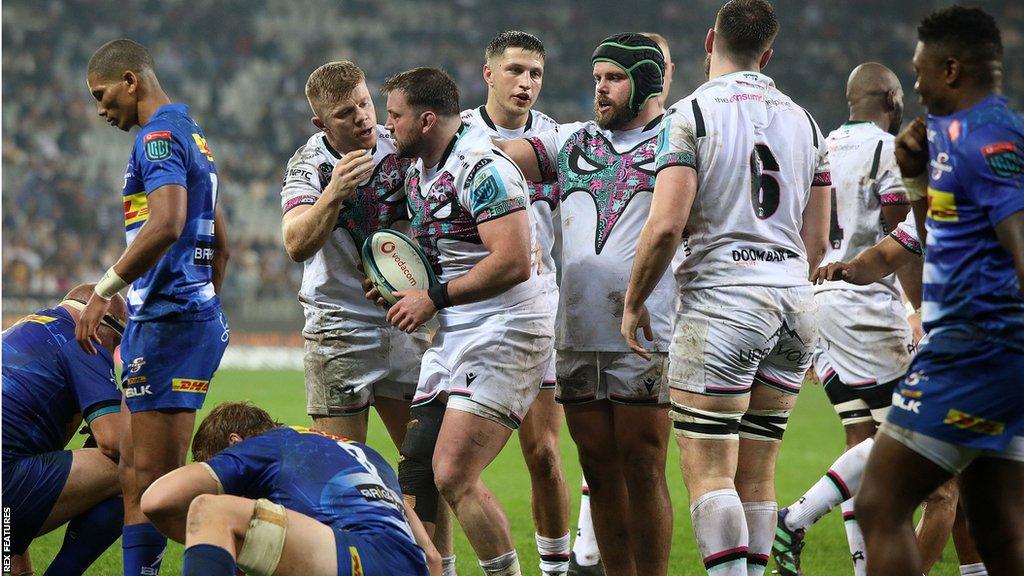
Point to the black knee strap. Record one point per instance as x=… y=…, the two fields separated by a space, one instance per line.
x=415 y=468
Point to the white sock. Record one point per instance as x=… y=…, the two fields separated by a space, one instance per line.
x=973 y=570
x=721 y=530
x=856 y=539
x=448 y=566
x=761 y=518
x=505 y=565
x=840 y=484
x=554 y=555
x=585 y=546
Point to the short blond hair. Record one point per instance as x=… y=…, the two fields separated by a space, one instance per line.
x=332 y=83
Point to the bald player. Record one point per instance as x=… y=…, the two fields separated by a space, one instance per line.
x=670 y=66
x=865 y=342
x=50 y=387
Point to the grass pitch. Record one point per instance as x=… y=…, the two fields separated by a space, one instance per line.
x=813 y=441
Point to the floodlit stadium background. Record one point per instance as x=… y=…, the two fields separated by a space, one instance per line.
x=241 y=66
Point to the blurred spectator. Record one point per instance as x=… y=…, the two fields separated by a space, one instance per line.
x=241 y=65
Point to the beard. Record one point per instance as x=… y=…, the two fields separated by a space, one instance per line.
x=614 y=119
x=411 y=148
x=896 y=123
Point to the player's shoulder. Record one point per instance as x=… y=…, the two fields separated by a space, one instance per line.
x=312 y=152
x=477 y=150
x=470 y=116
x=541 y=122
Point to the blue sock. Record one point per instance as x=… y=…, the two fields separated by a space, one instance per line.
x=88 y=536
x=207 y=560
x=143 y=548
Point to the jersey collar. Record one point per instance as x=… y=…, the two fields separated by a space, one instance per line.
x=168 y=109
x=451 y=146
x=490 y=123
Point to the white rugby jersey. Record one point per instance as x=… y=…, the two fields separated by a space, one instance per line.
x=331 y=294
x=543 y=196
x=607 y=181
x=473 y=183
x=757 y=154
x=865 y=177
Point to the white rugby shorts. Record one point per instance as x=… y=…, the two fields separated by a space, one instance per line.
x=729 y=337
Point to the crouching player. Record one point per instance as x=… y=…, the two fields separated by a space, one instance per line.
x=269 y=499
x=50 y=386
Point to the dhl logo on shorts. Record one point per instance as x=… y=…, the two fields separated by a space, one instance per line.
x=942 y=206
x=186 y=385
x=136 y=209
x=37 y=319
x=357 y=563
x=204 y=148
x=973 y=423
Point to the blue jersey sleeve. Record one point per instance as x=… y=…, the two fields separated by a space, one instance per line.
x=245 y=468
x=92 y=377
x=995 y=157
x=162 y=157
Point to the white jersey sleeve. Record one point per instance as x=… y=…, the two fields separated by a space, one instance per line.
x=493 y=188
x=906 y=234
x=547 y=144
x=888 y=183
x=302 y=185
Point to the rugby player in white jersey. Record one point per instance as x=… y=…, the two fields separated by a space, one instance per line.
x=468 y=203
x=670 y=66
x=865 y=342
x=741 y=209
x=514 y=73
x=615 y=403
x=343 y=184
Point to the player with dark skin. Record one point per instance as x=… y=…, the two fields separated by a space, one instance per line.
x=950 y=78
x=126 y=97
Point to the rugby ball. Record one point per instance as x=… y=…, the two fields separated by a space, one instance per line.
x=393 y=262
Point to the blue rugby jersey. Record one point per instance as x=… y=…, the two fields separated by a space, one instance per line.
x=47 y=380
x=976 y=180
x=171 y=149
x=337 y=481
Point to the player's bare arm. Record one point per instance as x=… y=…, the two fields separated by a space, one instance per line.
x=869 y=266
x=814 y=230
x=912 y=158
x=306 y=228
x=522 y=153
x=423 y=539
x=1011 y=235
x=674 y=192
x=166 y=501
x=508 y=241
x=221 y=252
x=168 y=210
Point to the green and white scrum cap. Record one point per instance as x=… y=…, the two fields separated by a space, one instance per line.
x=641 y=59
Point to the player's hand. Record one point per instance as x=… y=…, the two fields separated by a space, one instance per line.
x=89 y=322
x=352 y=169
x=413 y=308
x=912 y=149
x=833 y=272
x=633 y=320
x=373 y=294
x=915 y=327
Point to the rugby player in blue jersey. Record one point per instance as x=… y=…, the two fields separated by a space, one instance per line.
x=269 y=499
x=177 y=250
x=960 y=409
x=51 y=386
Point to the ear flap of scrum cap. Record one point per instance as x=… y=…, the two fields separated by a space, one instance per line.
x=641 y=59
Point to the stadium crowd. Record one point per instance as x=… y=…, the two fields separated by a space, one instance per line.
x=244 y=85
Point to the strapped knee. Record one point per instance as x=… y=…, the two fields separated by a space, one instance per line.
x=415 y=469
x=264 y=540
x=705 y=424
x=766 y=425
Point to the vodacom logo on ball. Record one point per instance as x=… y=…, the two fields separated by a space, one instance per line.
x=387 y=247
